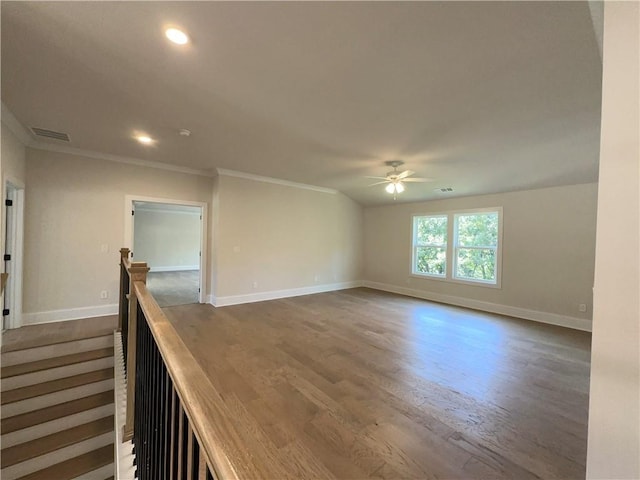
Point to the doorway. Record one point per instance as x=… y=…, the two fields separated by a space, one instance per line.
x=12 y=256
x=169 y=235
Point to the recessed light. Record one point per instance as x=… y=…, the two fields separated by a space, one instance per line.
x=176 y=36
x=144 y=139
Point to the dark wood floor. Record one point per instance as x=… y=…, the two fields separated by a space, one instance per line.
x=364 y=384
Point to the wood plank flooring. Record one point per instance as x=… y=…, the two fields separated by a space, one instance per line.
x=174 y=288
x=57 y=332
x=365 y=384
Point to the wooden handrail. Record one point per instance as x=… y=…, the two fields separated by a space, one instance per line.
x=201 y=401
x=226 y=444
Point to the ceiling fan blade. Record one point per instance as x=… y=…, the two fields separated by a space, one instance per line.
x=378 y=183
x=405 y=174
x=377 y=178
x=418 y=180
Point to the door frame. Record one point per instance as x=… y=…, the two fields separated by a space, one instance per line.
x=128 y=230
x=14 y=190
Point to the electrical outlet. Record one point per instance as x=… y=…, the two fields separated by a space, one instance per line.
x=582 y=307
x=104 y=294
x=255 y=285
x=104 y=248
x=316 y=278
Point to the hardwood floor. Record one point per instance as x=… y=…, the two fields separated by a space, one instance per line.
x=174 y=288
x=365 y=384
x=57 y=332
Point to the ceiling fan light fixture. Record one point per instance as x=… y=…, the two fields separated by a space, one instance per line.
x=394 y=187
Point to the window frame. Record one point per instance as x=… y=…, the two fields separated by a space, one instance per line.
x=415 y=246
x=452 y=246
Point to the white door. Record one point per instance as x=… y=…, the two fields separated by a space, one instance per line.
x=12 y=256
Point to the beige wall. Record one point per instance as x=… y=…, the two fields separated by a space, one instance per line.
x=12 y=167
x=548 y=252
x=282 y=237
x=167 y=240
x=614 y=404
x=13 y=157
x=74 y=205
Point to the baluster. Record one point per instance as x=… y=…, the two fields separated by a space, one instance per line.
x=148 y=404
x=166 y=431
x=180 y=464
x=195 y=457
x=190 y=453
x=184 y=449
x=175 y=432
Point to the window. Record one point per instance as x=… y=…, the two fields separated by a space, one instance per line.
x=430 y=245
x=472 y=255
x=476 y=246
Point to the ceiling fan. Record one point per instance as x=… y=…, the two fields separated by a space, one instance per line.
x=396 y=179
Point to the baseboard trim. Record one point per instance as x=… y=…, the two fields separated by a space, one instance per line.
x=524 y=313
x=276 y=294
x=69 y=314
x=175 y=269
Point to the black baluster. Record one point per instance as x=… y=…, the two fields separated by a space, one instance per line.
x=175 y=436
x=166 y=431
x=185 y=445
x=195 y=457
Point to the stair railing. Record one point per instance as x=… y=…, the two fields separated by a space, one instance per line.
x=177 y=420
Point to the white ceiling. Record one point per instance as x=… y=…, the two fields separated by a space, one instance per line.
x=482 y=97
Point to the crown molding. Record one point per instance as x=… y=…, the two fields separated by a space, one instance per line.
x=27 y=139
x=9 y=119
x=119 y=159
x=259 y=178
x=12 y=123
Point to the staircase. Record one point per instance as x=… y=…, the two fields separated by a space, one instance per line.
x=57 y=407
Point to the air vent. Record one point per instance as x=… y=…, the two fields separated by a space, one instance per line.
x=43 y=132
x=444 y=190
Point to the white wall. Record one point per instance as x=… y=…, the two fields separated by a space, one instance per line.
x=275 y=239
x=74 y=205
x=614 y=405
x=548 y=253
x=167 y=240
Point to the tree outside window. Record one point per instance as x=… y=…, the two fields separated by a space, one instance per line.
x=473 y=255
x=476 y=245
x=430 y=245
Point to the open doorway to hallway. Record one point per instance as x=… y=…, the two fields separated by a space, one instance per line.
x=169 y=238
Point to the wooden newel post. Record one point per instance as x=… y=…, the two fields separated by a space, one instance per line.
x=124 y=257
x=137 y=273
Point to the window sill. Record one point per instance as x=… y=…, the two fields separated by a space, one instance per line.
x=458 y=281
